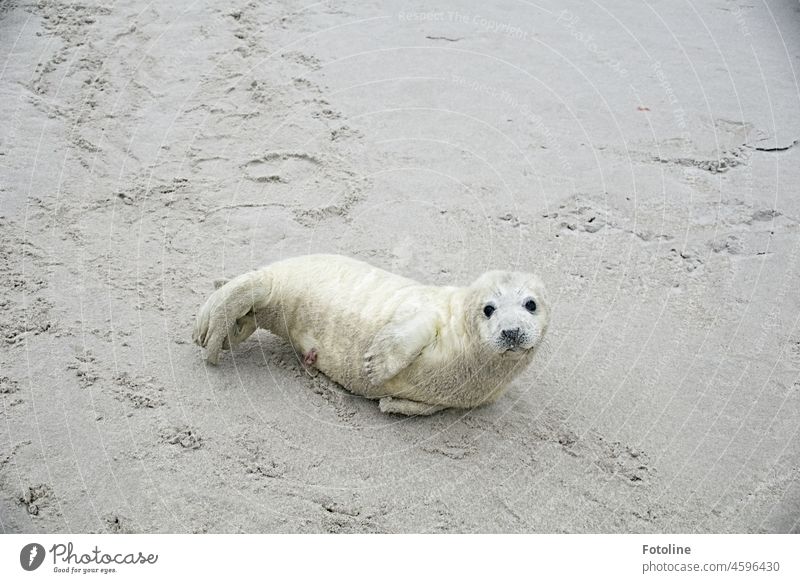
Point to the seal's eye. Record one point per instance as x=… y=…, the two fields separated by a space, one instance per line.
x=488 y=310
x=530 y=305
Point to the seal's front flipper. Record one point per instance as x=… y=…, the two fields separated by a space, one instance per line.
x=406 y=407
x=396 y=346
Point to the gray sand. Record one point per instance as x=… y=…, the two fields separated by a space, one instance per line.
x=643 y=159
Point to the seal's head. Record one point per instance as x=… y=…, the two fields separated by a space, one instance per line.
x=509 y=311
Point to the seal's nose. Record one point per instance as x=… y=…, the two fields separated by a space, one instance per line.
x=511 y=335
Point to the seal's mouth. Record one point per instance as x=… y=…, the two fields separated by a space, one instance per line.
x=514 y=344
x=515 y=350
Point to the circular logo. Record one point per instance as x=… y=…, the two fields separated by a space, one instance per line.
x=31 y=556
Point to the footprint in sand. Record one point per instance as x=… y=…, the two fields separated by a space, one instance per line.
x=281 y=167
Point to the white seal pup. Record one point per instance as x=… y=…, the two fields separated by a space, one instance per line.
x=418 y=348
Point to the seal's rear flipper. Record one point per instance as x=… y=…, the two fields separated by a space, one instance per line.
x=221 y=322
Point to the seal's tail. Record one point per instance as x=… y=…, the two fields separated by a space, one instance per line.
x=228 y=316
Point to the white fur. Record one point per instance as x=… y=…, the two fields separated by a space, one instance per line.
x=418 y=348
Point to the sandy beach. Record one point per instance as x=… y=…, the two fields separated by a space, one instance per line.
x=644 y=159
